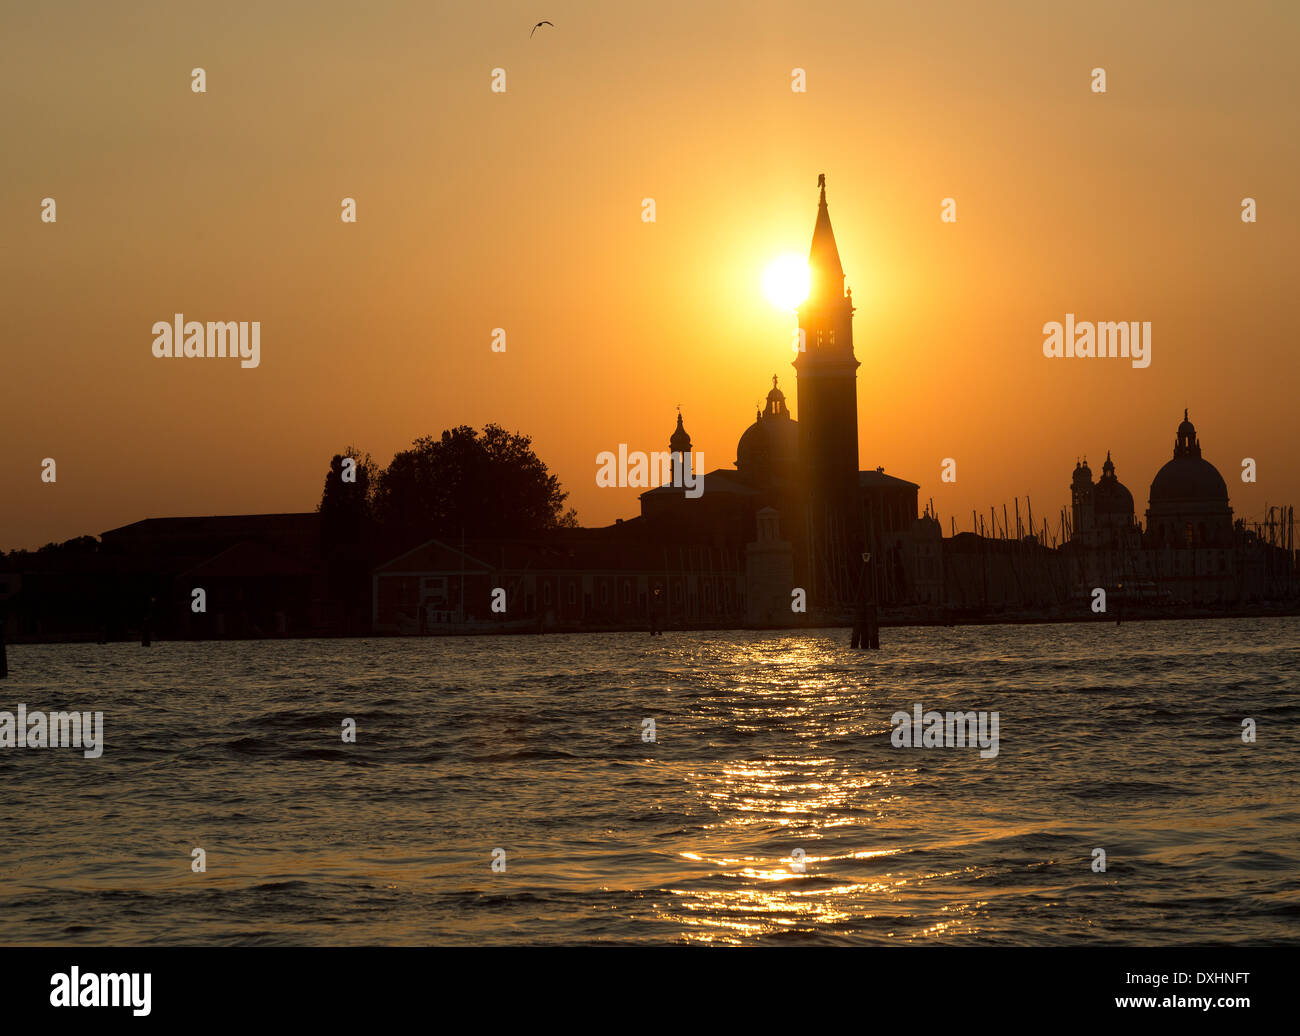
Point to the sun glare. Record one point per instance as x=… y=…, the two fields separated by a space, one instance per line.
x=785 y=281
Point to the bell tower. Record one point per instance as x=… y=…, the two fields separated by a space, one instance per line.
x=826 y=372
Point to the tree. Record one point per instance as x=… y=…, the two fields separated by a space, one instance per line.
x=347 y=505
x=481 y=485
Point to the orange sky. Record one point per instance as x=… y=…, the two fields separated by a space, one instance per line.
x=522 y=211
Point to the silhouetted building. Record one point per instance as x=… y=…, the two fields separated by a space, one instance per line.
x=767 y=455
x=794 y=518
x=1189 y=499
x=261 y=575
x=1102 y=512
x=802 y=474
x=572 y=579
x=1190 y=551
x=828 y=412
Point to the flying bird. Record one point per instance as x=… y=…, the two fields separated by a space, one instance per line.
x=538 y=26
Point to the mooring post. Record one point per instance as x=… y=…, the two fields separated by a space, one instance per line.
x=867 y=633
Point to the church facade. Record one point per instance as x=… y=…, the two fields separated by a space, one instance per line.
x=1190 y=550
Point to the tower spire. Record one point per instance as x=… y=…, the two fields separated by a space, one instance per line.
x=825 y=270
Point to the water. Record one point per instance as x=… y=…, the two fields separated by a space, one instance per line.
x=1126 y=738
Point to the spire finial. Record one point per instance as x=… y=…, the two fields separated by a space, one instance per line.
x=774 y=381
x=1184 y=413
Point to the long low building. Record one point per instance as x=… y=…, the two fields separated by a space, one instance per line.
x=575 y=578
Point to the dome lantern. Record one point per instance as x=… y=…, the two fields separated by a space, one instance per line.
x=680 y=440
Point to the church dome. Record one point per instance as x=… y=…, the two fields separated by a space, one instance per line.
x=1188 y=477
x=1189 y=499
x=1112 y=496
x=765 y=442
x=768 y=451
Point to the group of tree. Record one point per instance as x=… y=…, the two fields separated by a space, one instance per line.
x=463 y=483
x=76 y=546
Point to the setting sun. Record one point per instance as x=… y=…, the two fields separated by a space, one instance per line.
x=785 y=281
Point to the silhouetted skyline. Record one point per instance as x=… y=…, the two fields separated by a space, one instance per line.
x=479 y=210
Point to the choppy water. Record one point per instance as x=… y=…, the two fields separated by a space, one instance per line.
x=1126 y=738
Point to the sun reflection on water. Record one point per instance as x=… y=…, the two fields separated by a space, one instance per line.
x=773 y=750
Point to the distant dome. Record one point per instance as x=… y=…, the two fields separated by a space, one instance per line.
x=1189 y=499
x=1111 y=495
x=1188 y=479
x=769 y=449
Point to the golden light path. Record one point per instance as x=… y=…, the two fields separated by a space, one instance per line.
x=813 y=797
